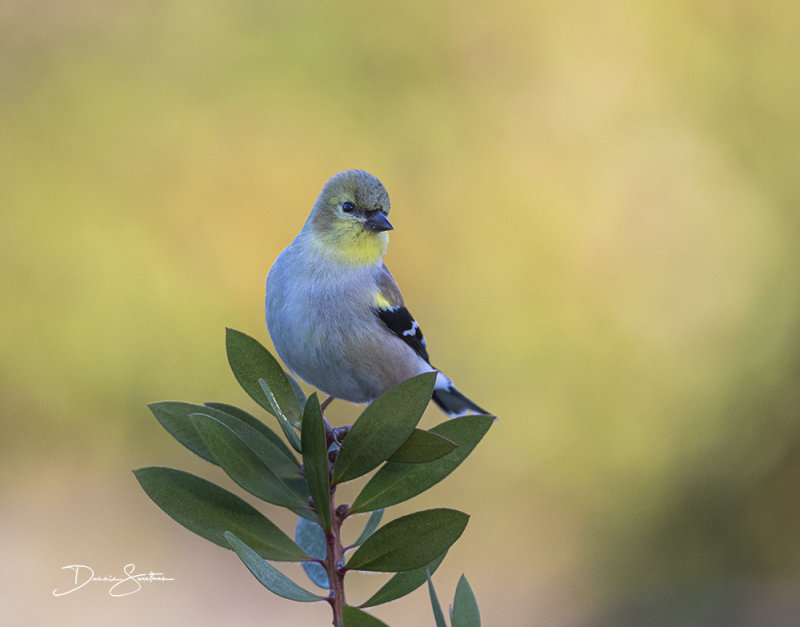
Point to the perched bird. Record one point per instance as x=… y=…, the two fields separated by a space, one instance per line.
x=335 y=313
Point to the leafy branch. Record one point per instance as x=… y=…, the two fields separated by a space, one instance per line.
x=409 y=460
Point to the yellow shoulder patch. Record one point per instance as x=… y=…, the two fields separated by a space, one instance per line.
x=381 y=302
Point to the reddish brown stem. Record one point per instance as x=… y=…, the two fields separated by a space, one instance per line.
x=334 y=558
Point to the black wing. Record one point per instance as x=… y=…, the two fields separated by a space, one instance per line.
x=400 y=322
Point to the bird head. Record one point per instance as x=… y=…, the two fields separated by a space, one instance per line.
x=349 y=220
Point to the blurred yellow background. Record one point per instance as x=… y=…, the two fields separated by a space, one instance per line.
x=596 y=224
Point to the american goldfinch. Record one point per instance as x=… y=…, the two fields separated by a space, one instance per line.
x=335 y=313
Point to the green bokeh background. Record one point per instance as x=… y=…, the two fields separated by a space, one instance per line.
x=596 y=224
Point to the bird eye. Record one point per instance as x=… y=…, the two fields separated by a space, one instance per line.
x=348 y=207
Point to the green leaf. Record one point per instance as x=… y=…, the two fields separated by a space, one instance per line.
x=394 y=483
x=209 y=511
x=372 y=524
x=315 y=460
x=465 y=608
x=354 y=617
x=255 y=422
x=438 y=615
x=283 y=420
x=383 y=427
x=250 y=361
x=403 y=583
x=272 y=579
x=243 y=465
x=310 y=537
x=422 y=446
x=174 y=417
x=410 y=542
x=298 y=391
x=270 y=449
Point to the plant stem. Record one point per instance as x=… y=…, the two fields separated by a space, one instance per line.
x=335 y=557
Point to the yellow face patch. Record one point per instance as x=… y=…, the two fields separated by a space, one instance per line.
x=348 y=242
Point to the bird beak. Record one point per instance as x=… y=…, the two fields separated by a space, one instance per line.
x=378 y=222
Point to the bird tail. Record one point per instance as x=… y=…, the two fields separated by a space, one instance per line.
x=451 y=401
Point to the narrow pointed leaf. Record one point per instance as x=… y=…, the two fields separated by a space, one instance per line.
x=283 y=420
x=354 y=617
x=268 y=446
x=394 y=483
x=403 y=583
x=209 y=511
x=383 y=427
x=410 y=542
x=315 y=460
x=174 y=417
x=254 y=422
x=243 y=465
x=438 y=615
x=270 y=449
x=269 y=576
x=250 y=361
x=465 y=607
x=279 y=459
x=310 y=537
x=298 y=392
x=422 y=446
x=372 y=524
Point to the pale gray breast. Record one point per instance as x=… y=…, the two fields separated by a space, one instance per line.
x=313 y=308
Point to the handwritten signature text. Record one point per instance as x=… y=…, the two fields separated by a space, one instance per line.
x=120 y=586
